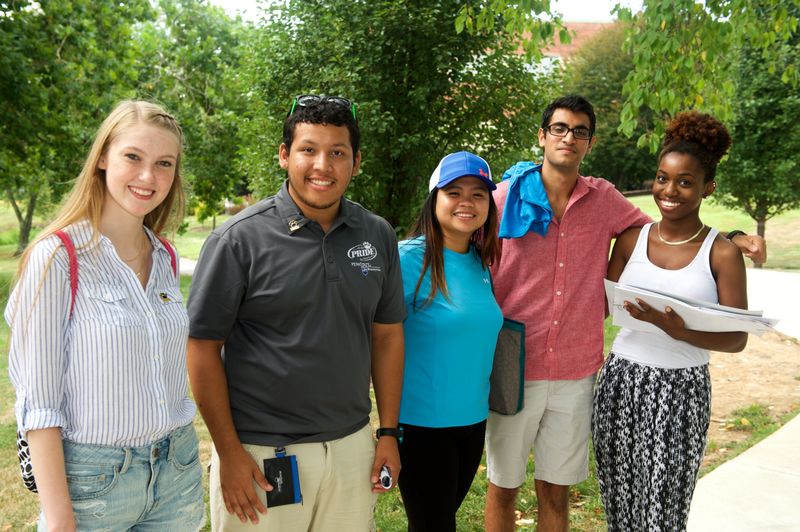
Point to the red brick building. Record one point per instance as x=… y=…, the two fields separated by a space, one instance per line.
x=580 y=33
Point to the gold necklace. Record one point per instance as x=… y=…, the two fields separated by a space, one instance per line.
x=667 y=242
x=145 y=266
x=138 y=253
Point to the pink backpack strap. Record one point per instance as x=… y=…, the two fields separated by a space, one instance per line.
x=73 y=266
x=172 y=258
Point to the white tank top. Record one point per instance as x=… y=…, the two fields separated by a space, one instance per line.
x=694 y=280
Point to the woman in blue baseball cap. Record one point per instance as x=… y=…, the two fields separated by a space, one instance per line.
x=450 y=336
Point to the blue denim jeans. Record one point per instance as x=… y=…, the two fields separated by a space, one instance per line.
x=155 y=487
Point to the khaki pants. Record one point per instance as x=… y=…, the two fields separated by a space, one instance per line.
x=334 y=481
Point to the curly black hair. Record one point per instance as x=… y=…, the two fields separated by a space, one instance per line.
x=700 y=135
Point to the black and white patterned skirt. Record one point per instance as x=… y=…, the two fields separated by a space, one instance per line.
x=649 y=429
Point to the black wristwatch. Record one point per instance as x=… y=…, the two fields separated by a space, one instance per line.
x=733 y=234
x=395 y=432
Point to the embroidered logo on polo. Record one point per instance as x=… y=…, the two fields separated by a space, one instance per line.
x=362 y=254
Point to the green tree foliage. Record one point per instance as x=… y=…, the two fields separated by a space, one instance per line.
x=191 y=61
x=762 y=173
x=422 y=91
x=598 y=71
x=684 y=54
x=62 y=66
x=529 y=22
x=683 y=50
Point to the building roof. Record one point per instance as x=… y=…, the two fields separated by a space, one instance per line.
x=580 y=33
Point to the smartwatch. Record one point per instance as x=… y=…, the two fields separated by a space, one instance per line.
x=395 y=432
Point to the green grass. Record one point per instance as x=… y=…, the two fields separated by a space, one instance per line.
x=610 y=332
x=586 y=509
x=188 y=243
x=186 y=283
x=8 y=265
x=753 y=419
x=191 y=241
x=18 y=507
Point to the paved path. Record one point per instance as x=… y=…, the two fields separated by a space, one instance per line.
x=759 y=489
x=756 y=491
x=778 y=295
x=187 y=266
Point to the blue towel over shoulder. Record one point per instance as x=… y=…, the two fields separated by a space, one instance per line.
x=527 y=207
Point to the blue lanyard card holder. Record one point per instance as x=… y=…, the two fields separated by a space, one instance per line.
x=282 y=474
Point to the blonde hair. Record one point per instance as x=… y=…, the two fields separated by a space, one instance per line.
x=85 y=201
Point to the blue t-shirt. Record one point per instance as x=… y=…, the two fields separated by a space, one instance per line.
x=449 y=345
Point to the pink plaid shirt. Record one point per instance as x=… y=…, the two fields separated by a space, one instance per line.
x=554 y=284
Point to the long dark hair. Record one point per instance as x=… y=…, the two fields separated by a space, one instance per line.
x=485 y=242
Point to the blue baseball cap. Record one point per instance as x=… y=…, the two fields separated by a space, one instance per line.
x=461 y=164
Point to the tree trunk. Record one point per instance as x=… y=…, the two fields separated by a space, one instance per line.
x=25 y=220
x=761 y=226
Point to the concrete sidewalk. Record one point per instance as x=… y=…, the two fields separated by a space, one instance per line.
x=759 y=489
x=778 y=295
x=756 y=491
x=187 y=266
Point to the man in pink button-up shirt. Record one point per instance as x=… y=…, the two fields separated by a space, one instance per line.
x=554 y=284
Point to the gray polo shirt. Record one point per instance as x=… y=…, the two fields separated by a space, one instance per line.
x=295 y=307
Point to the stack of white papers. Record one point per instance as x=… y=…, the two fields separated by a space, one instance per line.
x=697 y=315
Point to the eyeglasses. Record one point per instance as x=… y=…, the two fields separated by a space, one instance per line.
x=310 y=100
x=561 y=130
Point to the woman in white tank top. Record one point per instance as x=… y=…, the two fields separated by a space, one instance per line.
x=653 y=396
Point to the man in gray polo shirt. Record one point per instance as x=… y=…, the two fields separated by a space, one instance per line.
x=295 y=303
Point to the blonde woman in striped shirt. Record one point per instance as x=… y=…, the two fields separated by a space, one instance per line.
x=100 y=371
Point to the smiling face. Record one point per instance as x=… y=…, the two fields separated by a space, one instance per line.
x=320 y=166
x=461 y=209
x=680 y=186
x=565 y=153
x=139 y=171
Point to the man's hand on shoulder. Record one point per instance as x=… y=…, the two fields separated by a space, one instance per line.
x=237 y=471
x=752 y=246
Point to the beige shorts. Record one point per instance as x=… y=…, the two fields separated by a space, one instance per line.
x=334 y=481
x=555 y=423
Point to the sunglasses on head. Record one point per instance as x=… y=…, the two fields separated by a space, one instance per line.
x=310 y=100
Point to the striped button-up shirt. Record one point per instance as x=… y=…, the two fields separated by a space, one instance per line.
x=113 y=373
